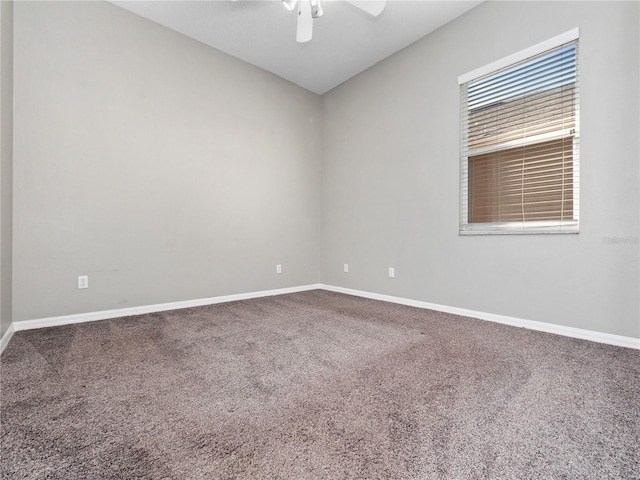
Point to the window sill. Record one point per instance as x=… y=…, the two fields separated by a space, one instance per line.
x=521 y=228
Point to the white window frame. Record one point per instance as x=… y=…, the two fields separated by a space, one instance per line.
x=528 y=227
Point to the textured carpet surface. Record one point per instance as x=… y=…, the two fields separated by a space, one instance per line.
x=315 y=385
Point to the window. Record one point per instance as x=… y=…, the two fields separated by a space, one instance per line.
x=520 y=142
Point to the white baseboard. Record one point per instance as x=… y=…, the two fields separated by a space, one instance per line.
x=6 y=337
x=162 y=307
x=600 y=337
x=608 y=338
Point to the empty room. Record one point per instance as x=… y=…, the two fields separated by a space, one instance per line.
x=313 y=239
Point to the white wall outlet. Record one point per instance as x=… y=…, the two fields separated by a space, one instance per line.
x=278 y=268
x=83 y=281
x=392 y=272
x=346 y=268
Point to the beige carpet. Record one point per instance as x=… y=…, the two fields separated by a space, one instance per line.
x=315 y=385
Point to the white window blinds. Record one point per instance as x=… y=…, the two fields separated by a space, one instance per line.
x=520 y=145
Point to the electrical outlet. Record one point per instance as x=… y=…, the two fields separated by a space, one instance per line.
x=83 y=281
x=346 y=268
x=392 y=272
x=278 y=268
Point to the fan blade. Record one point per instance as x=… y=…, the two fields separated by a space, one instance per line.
x=305 y=22
x=289 y=4
x=373 y=7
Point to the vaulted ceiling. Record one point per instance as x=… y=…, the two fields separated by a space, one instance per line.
x=345 y=41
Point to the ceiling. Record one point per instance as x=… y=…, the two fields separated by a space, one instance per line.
x=345 y=41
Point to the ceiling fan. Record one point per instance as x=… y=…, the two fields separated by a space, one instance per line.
x=310 y=9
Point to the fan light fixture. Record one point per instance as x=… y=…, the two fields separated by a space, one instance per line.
x=310 y=9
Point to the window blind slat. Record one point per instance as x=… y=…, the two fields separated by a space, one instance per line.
x=559 y=70
x=520 y=67
x=507 y=92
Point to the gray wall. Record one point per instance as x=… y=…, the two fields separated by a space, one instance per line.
x=6 y=160
x=163 y=169
x=169 y=171
x=391 y=163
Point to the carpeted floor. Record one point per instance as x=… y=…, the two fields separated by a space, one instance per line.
x=315 y=385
